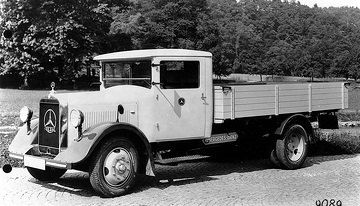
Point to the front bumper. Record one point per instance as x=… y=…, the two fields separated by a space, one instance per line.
x=39 y=162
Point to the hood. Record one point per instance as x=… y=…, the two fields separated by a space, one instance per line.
x=117 y=94
x=102 y=106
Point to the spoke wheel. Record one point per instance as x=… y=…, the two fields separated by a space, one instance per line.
x=114 y=170
x=291 y=151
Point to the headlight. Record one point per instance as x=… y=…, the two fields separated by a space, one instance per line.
x=25 y=114
x=76 y=118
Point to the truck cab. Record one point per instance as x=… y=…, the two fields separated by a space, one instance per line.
x=180 y=83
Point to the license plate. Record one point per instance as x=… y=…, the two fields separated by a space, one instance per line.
x=34 y=162
x=221 y=138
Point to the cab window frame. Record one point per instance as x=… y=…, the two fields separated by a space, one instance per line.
x=180 y=74
x=119 y=77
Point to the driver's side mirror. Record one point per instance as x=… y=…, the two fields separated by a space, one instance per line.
x=95 y=84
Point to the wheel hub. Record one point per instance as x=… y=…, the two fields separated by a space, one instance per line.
x=295 y=147
x=120 y=167
x=117 y=166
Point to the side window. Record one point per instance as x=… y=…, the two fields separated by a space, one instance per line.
x=180 y=74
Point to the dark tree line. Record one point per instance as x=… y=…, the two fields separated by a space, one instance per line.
x=276 y=37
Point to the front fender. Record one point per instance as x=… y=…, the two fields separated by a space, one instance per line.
x=23 y=141
x=91 y=137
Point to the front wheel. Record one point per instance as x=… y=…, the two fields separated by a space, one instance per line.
x=113 y=173
x=292 y=149
x=49 y=174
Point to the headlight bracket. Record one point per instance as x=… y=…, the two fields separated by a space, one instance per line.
x=25 y=116
x=77 y=119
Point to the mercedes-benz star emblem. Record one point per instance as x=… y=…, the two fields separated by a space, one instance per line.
x=50 y=121
x=181 y=101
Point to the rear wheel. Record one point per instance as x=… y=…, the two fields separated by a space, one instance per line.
x=114 y=171
x=291 y=150
x=49 y=174
x=274 y=160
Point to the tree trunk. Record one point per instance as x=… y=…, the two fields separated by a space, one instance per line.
x=25 y=85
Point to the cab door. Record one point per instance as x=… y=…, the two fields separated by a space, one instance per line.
x=180 y=98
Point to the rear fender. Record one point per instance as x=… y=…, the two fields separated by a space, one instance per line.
x=78 y=151
x=298 y=119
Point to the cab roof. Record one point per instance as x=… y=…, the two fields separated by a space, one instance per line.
x=151 y=53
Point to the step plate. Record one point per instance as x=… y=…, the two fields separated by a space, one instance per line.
x=181 y=159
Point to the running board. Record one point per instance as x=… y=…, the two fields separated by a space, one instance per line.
x=175 y=160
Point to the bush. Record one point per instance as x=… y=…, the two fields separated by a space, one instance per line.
x=348 y=116
x=7 y=134
x=5 y=141
x=334 y=142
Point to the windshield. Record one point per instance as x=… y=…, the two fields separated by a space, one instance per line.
x=127 y=73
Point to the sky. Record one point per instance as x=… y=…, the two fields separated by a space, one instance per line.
x=328 y=3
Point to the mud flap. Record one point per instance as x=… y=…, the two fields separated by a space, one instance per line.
x=328 y=121
x=150 y=168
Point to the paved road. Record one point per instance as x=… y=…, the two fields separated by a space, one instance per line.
x=206 y=182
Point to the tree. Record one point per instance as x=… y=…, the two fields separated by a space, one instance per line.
x=249 y=36
x=56 y=36
x=168 y=24
x=182 y=24
x=278 y=59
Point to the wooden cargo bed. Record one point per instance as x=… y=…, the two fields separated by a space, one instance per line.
x=240 y=101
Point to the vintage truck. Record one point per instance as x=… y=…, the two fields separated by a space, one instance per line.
x=156 y=105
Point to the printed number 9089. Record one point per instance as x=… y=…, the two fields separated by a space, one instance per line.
x=326 y=202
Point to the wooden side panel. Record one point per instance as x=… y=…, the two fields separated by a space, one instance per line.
x=222 y=105
x=327 y=96
x=218 y=104
x=259 y=100
x=254 y=100
x=294 y=98
x=345 y=98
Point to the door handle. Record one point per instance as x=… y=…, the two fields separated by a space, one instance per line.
x=203 y=97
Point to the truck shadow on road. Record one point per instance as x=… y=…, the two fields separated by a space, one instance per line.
x=212 y=169
x=73 y=183
x=200 y=171
x=204 y=170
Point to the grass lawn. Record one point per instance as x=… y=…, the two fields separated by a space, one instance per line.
x=11 y=101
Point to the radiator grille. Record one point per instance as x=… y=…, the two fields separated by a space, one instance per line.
x=49 y=126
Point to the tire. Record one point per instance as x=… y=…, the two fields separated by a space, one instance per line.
x=274 y=160
x=292 y=149
x=114 y=170
x=49 y=174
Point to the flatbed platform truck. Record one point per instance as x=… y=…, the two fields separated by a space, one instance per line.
x=156 y=104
